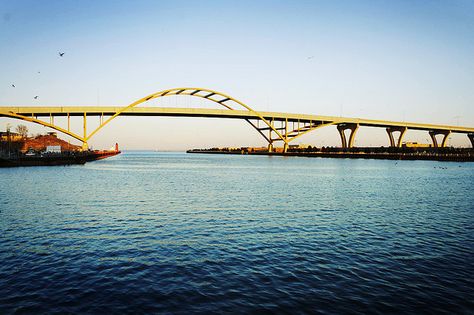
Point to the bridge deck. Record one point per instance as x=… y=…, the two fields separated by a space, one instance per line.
x=218 y=113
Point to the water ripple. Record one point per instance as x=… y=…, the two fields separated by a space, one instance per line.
x=173 y=233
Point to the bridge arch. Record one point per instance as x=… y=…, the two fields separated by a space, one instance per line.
x=214 y=96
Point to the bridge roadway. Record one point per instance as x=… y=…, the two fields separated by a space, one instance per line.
x=305 y=122
x=291 y=126
x=220 y=113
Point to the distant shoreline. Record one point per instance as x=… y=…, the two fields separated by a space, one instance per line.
x=444 y=157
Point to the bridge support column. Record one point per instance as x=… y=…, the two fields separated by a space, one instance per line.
x=270 y=147
x=285 y=144
x=342 y=128
x=433 y=135
x=471 y=137
x=391 y=130
x=85 y=147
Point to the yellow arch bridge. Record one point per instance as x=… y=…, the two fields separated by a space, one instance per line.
x=273 y=126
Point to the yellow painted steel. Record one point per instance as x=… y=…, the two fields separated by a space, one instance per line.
x=84 y=143
x=43 y=123
x=190 y=91
x=310 y=122
x=303 y=132
x=218 y=113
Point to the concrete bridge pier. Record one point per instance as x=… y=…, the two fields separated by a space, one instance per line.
x=433 y=135
x=342 y=128
x=391 y=130
x=471 y=137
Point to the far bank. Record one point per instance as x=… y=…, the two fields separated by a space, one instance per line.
x=429 y=154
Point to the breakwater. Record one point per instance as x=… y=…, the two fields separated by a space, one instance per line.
x=430 y=154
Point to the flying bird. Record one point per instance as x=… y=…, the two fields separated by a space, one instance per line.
x=36 y=97
x=310 y=57
x=61 y=54
x=13 y=85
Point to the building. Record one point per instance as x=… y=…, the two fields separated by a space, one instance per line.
x=416 y=145
x=298 y=146
x=10 y=136
x=53 y=149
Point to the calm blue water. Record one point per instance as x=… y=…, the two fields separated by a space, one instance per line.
x=183 y=233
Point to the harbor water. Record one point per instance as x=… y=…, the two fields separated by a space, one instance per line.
x=150 y=232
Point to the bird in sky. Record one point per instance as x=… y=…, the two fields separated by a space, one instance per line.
x=13 y=85
x=310 y=57
x=61 y=54
x=39 y=72
x=36 y=97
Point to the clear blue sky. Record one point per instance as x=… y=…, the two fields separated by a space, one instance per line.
x=395 y=60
